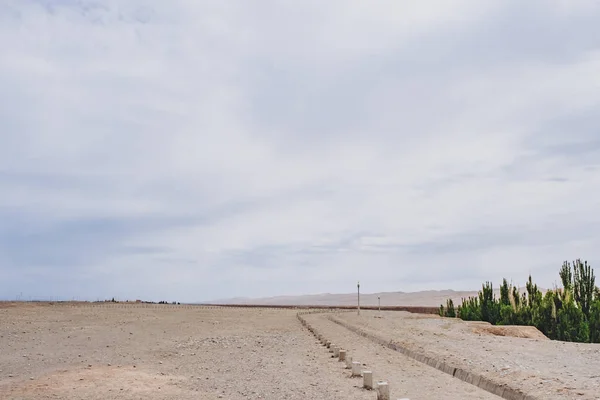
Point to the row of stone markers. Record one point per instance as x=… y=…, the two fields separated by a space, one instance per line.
x=381 y=387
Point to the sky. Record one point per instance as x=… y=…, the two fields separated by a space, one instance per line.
x=192 y=150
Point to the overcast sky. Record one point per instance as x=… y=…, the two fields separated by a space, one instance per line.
x=192 y=150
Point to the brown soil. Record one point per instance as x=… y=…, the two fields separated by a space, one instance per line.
x=526 y=332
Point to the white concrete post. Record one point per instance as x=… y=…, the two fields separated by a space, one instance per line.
x=383 y=391
x=331 y=347
x=342 y=355
x=368 y=380
x=348 y=362
x=355 y=368
x=336 y=351
x=328 y=344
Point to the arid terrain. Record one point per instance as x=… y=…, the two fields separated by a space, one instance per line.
x=156 y=352
x=152 y=352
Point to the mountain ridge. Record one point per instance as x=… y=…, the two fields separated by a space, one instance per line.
x=424 y=298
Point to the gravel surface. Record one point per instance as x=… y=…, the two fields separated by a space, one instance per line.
x=164 y=352
x=406 y=377
x=543 y=368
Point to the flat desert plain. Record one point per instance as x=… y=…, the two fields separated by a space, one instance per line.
x=137 y=351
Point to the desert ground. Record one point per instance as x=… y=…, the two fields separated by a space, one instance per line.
x=153 y=352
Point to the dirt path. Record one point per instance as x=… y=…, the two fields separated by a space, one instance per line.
x=157 y=353
x=541 y=368
x=406 y=377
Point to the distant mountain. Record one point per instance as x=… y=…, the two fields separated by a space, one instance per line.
x=234 y=300
x=427 y=298
x=430 y=298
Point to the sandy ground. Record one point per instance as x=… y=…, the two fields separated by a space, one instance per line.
x=540 y=367
x=62 y=352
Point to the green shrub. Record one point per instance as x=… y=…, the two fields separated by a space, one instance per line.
x=594 y=321
x=449 y=311
x=570 y=314
x=507 y=315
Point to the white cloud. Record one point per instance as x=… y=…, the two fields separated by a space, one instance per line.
x=208 y=149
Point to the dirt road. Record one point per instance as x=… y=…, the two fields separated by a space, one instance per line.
x=407 y=378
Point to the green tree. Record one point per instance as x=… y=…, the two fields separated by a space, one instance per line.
x=571 y=323
x=504 y=293
x=532 y=292
x=516 y=297
x=570 y=314
x=450 y=311
x=566 y=276
x=490 y=309
x=594 y=321
x=508 y=316
x=544 y=315
x=584 y=285
x=470 y=310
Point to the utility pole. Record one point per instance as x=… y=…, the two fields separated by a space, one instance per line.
x=358 y=292
x=379 y=304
